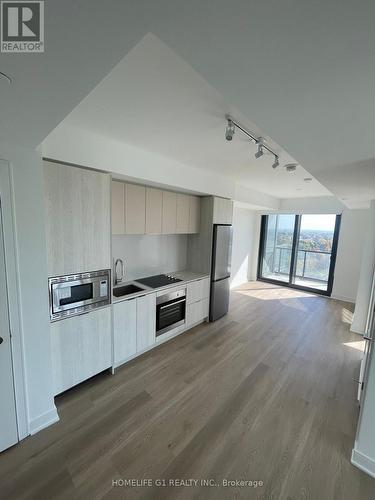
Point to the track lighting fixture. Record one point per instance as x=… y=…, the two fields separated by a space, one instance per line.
x=229 y=131
x=260 y=151
x=276 y=163
x=259 y=141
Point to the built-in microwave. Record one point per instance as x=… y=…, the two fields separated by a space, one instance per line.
x=78 y=293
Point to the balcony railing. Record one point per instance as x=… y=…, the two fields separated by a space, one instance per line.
x=311 y=264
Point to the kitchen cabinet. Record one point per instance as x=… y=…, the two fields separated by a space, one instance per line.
x=81 y=347
x=154 y=210
x=78 y=219
x=118 y=207
x=196 y=312
x=222 y=211
x=146 y=210
x=169 y=214
x=135 y=209
x=194 y=214
x=146 y=321
x=198 y=290
x=197 y=300
x=124 y=330
x=183 y=213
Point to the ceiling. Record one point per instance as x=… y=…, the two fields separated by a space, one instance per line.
x=303 y=71
x=156 y=101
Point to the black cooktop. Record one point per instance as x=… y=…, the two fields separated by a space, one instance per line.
x=158 y=280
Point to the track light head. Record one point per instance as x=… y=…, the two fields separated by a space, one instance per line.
x=229 y=131
x=276 y=163
x=260 y=151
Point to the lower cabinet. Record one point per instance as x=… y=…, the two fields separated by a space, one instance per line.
x=125 y=330
x=196 y=312
x=81 y=348
x=198 y=293
x=133 y=327
x=146 y=321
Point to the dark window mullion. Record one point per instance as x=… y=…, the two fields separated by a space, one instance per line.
x=293 y=259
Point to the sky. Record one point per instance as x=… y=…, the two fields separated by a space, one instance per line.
x=323 y=222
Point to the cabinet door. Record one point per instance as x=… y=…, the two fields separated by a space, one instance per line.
x=169 y=215
x=118 y=207
x=198 y=290
x=81 y=347
x=78 y=219
x=183 y=212
x=195 y=214
x=146 y=321
x=196 y=312
x=154 y=208
x=135 y=209
x=124 y=330
x=223 y=211
x=194 y=291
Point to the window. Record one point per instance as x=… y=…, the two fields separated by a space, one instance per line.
x=299 y=250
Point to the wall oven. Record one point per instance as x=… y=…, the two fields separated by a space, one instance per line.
x=78 y=293
x=170 y=311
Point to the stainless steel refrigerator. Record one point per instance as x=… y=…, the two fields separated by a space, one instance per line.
x=220 y=271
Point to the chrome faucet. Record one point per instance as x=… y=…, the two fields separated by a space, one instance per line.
x=119 y=278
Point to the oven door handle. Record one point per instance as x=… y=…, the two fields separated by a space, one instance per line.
x=172 y=304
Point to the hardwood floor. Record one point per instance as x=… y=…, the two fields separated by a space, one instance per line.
x=265 y=394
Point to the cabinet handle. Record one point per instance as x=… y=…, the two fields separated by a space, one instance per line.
x=370 y=339
x=1 y=340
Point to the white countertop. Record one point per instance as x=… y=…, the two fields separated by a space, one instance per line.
x=186 y=276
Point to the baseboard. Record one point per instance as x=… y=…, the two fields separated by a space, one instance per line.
x=363 y=462
x=45 y=420
x=343 y=298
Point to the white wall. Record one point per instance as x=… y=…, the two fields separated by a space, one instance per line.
x=354 y=226
x=363 y=454
x=244 y=224
x=28 y=213
x=313 y=205
x=73 y=145
x=146 y=255
x=365 y=275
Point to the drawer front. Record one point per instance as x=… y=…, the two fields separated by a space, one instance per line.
x=196 y=312
x=198 y=290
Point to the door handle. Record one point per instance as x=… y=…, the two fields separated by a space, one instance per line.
x=1 y=340
x=367 y=338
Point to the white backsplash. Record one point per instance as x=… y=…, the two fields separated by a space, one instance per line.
x=145 y=255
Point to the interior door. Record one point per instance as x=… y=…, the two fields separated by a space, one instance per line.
x=8 y=419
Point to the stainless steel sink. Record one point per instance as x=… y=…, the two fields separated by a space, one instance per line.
x=126 y=290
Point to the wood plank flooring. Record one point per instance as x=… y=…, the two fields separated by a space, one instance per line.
x=267 y=394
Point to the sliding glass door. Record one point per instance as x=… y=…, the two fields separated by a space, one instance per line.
x=299 y=250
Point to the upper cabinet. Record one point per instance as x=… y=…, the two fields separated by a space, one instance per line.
x=118 y=207
x=78 y=219
x=169 y=215
x=145 y=210
x=135 y=209
x=223 y=211
x=154 y=209
x=183 y=212
x=194 y=214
